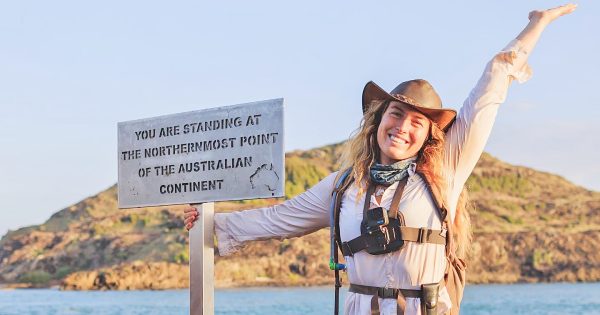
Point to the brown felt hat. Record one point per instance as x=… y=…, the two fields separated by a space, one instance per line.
x=418 y=94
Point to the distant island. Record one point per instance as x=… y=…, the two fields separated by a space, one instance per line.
x=529 y=226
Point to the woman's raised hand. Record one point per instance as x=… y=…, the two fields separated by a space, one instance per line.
x=538 y=20
x=190 y=215
x=549 y=15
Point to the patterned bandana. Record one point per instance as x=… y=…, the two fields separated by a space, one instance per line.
x=389 y=174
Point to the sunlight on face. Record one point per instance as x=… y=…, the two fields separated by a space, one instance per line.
x=401 y=133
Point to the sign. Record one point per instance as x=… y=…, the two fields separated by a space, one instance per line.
x=226 y=153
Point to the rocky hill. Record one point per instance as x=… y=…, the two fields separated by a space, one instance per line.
x=529 y=226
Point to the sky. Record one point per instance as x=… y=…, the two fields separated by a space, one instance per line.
x=70 y=70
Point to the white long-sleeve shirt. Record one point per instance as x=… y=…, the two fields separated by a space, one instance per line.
x=416 y=263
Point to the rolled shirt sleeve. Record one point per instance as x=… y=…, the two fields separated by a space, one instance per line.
x=466 y=138
x=301 y=215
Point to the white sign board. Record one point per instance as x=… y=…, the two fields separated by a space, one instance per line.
x=226 y=153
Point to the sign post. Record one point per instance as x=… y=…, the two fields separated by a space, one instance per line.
x=202 y=262
x=226 y=153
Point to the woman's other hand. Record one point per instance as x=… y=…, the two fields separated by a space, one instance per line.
x=549 y=15
x=190 y=215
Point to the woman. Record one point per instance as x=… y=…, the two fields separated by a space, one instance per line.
x=406 y=139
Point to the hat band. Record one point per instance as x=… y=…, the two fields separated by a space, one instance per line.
x=407 y=100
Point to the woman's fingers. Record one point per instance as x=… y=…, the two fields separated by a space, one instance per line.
x=562 y=10
x=190 y=209
x=190 y=219
x=551 y=14
x=189 y=222
x=567 y=8
x=190 y=215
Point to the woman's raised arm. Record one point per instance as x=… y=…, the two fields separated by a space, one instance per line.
x=466 y=138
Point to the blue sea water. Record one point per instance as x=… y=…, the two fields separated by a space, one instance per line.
x=581 y=298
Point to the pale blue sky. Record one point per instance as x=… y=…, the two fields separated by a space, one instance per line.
x=70 y=70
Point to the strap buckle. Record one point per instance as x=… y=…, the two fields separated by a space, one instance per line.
x=423 y=235
x=387 y=293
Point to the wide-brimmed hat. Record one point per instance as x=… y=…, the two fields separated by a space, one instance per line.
x=418 y=94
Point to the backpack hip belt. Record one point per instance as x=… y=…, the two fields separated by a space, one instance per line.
x=428 y=293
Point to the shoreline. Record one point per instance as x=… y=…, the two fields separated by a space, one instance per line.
x=24 y=286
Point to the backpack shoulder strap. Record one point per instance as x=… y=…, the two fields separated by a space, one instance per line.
x=443 y=212
x=436 y=195
x=343 y=180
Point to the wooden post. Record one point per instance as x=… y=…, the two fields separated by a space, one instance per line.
x=202 y=261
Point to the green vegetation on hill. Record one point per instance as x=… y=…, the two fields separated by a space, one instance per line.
x=306 y=168
x=532 y=226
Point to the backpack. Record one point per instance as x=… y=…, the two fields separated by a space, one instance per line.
x=455 y=274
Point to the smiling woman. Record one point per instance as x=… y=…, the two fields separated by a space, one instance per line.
x=396 y=208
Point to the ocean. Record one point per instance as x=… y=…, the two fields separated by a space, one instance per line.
x=556 y=298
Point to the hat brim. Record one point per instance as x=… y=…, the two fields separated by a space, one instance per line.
x=442 y=117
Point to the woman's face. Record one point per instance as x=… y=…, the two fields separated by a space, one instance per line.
x=401 y=133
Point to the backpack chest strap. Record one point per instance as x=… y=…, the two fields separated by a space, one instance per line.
x=410 y=234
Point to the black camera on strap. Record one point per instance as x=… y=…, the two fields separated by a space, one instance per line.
x=383 y=232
